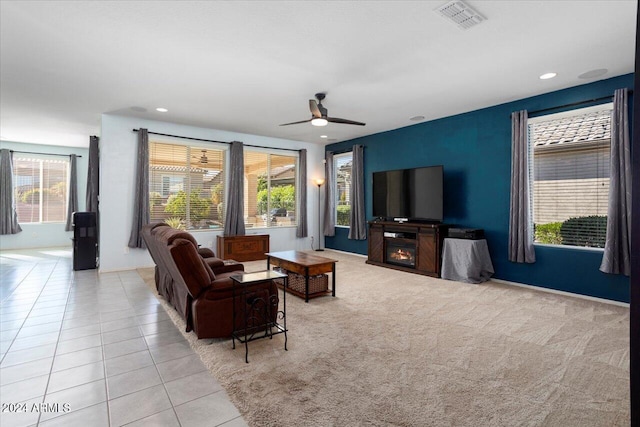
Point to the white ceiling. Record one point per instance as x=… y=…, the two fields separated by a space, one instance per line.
x=249 y=66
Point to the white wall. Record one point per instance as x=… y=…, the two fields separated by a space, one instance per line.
x=49 y=234
x=118 y=147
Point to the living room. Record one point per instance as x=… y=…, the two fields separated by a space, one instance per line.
x=470 y=139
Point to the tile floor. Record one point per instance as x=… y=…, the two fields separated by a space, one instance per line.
x=88 y=349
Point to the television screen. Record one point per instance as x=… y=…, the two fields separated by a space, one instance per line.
x=409 y=193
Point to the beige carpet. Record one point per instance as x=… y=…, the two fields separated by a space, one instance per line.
x=402 y=349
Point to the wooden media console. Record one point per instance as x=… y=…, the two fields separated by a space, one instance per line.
x=411 y=247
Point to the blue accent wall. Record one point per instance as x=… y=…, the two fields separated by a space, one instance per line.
x=475 y=150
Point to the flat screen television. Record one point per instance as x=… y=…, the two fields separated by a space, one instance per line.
x=409 y=194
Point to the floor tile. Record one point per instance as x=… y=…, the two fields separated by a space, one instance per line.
x=83 y=331
x=136 y=406
x=25 y=371
x=114 y=325
x=25 y=389
x=25 y=417
x=164 y=338
x=152 y=318
x=124 y=347
x=209 y=410
x=94 y=416
x=77 y=358
x=121 y=335
x=78 y=344
x=77 y=398
x=68 y=378
x=34 y=341
x=40 y=320
x=39 y=330
x=116 y=315
x=128 y=362
x=80 y=321
x=118 y=351
x=158 y=327
x=23 y=356
x=192 y=387
x=132 y=381
x=236 y=422
x=166 y=418
x=171 y=351
x=179 y=368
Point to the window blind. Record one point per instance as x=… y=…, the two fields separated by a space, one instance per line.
x=342 y=168
x=570 y=184
x=41 y=188
x=186 y=185
x=270 y=189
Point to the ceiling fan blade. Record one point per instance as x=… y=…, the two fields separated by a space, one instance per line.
x=344 y=121
x=296 y=123
x=313 y=106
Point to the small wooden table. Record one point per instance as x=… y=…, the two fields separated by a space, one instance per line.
x=304 y=264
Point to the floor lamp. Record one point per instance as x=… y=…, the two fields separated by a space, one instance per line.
x=319 y=182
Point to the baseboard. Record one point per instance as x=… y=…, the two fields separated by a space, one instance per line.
x=565 y=293
x=346 y=253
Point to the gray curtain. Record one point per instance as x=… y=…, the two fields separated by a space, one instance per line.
x=301 y=187
x=358 y=222
x=234 y=218
x=93 y=175
x=520 y=233
x=141 y=197
x=329 y=198
x=72 y=202
x=617 y=248
x=8 y=217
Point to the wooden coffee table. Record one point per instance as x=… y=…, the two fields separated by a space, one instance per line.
x=304 y=264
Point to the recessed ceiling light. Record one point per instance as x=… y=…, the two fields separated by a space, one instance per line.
x=161 y=110
x=323 y=136
x=417 y=118
x=592 y=74
x=547 y=76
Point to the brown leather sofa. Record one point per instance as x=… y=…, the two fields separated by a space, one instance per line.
x=199 y=288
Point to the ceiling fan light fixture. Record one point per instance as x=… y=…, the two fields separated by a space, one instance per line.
x=318 y=121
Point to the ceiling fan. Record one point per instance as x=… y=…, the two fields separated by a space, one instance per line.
x=203 y=160
x=319 y=115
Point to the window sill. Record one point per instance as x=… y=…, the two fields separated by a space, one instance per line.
x=579 y=248
x=343 y=226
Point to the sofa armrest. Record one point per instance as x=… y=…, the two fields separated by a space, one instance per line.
x=227 y=268
x=206 y=253
x=214 y=263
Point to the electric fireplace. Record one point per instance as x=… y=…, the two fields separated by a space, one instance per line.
x=401 y=253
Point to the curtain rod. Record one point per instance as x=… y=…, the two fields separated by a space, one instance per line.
x=213 y=140
x=45 y=154
x=575 y=104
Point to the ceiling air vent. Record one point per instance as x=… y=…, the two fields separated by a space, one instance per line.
x=460 y=14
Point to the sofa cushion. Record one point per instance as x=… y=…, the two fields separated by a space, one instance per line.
x=194 y=271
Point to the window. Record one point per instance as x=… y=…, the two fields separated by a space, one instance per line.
x=570 y=171
x=41 y=188
x=270 y=189
x=342 y=167
x=186 y=186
